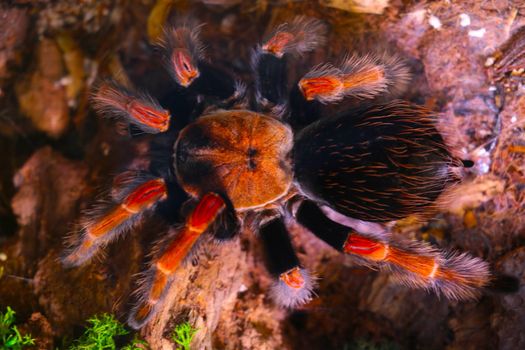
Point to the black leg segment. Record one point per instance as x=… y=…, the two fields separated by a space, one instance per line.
x=292 y=39
x=312 y=217
x=280 y=254
x=271 y=83
x=293 y=284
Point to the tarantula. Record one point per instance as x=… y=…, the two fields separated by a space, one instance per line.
x=276 y=156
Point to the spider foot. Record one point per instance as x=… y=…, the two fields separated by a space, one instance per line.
x=182 y=50
x=140 y=109
x=106 y=222
x=300 y=36
x=293 y=288
x=415 y=264
x=293 y=285
x=363 y=77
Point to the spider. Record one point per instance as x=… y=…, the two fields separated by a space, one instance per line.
x=268 y=156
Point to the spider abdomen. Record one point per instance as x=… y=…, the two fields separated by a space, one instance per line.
x=381 y=164
x=242 y=154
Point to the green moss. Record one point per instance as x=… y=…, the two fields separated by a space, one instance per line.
x=10 y=337
x=136 y=344
x=102 y=333
x=183 y=335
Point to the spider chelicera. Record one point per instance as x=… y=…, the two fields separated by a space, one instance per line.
x=275 y=156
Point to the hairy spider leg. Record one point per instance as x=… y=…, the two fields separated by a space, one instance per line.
x=185 y=60
x=137 y=108
x=227 y=224
x=415 y=264
x=293 y=285
x=183 y=49
x=269 y=60
x=271 y=79
x=457 y=276
x=218 y=84
x=363 y=77
x=109 y=220
x=158 y=278
x=303 y=112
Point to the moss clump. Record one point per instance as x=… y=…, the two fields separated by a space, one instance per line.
x=102 y=333
x=183 y=335
x=10 y=337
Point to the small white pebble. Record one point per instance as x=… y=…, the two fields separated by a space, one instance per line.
x=490 y=61
x=492 y=88
x=481 y=152
x=484 y=168
x=464 y=20
x=482 y=157
x=3 y=256
x=243 y=288
x=480 y=33
x=65 y=81
x=513 y=119
x=434 y=22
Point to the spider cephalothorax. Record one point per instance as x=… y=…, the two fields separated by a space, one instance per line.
x=283 y=160
x=240 y=153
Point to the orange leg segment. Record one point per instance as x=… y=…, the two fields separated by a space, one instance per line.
x=204 y=214
x=333 y=85
x=106 y=227
x=362 y=79
x=184 y=67
x=138 y=109
x=322 y=87
x=158 y=119
x=277 y=43
x=370 y=249
x=457 y=276
x=416 y=264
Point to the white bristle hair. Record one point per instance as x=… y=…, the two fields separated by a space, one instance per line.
x=288 y=297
